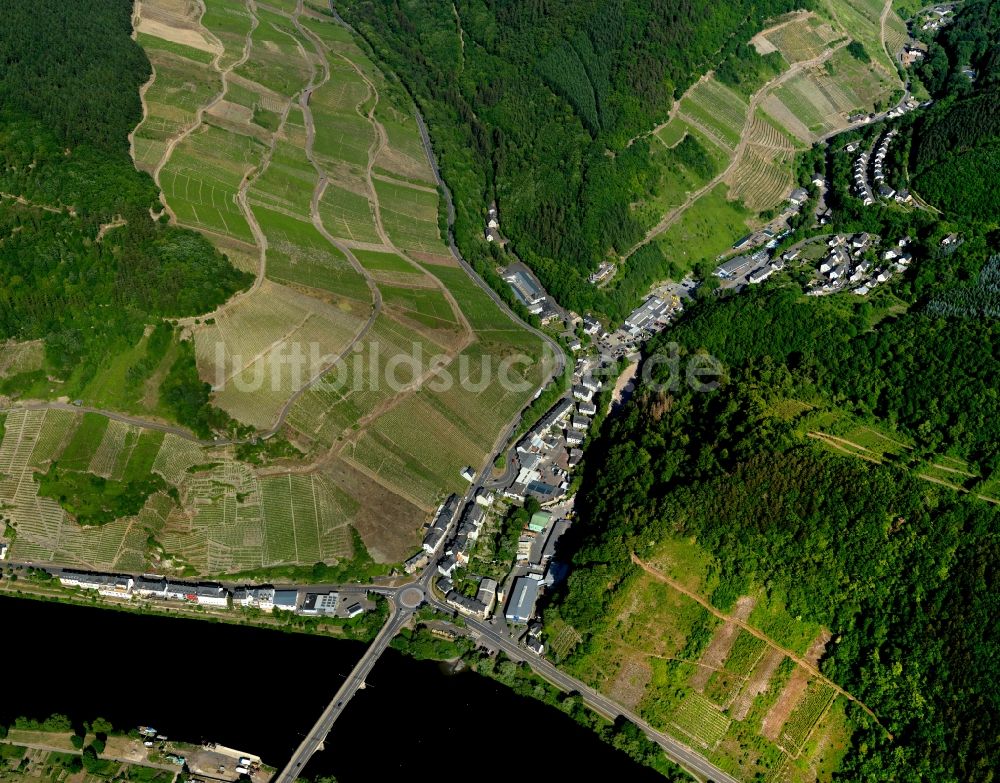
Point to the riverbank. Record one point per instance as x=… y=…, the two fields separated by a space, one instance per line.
x=34 y=584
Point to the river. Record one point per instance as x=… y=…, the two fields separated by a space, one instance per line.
x=259 y=690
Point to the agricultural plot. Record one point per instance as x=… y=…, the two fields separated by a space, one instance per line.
x=679 y=176
x=355 y=388
x=314 y=299
x=278 y=59
x=32 y=440
x=896 y=34
x=229 y=22
x=763 y=178
x=425 y=305
x=797 y=728
x=390 y=264
x=175 y=21
x=404 y=154
x=465 y=411
x=16 y=358
x=343 y=134
x=699 y=721
x=347 y=213
x=715 y=110
x=86 y=440
x=112 y=454
x=724 y=684
x=480 y=310
x=266 y=346
x=861 y=19
x=180 y=86
x=222 y=530
x=298 y=255
x=202 y=177
x=174 y=458
x=804 y=38
x=243 y=522
x=410 y=216
x=491 y=382
x=287 y=184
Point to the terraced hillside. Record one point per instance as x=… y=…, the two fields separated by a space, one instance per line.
x=362 y=340
x=751 y=140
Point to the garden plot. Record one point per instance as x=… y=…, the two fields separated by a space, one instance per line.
x=202 y=177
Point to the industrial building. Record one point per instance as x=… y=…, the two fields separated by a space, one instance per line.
x=521 y=604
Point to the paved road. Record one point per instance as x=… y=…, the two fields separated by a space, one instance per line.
x=317 y=735
x=676 y=751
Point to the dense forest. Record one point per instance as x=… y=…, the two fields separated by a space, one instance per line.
x=534 y=103
x=955 y=152
x=898 y=570
x=65 y=172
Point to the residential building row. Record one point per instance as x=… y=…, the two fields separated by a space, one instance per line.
x=265 y=598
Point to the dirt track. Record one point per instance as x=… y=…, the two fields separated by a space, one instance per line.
x=794 y=656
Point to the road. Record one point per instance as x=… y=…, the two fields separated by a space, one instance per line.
x=676 y=751
x=355 y=680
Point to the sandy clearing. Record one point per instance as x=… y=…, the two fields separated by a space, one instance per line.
x=180 y=35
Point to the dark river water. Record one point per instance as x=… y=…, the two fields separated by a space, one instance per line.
x=259 y=691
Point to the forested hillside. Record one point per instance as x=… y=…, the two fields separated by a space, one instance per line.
x=65 y=172
x=897 y=568
x=535 y=103
x=956 y=149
